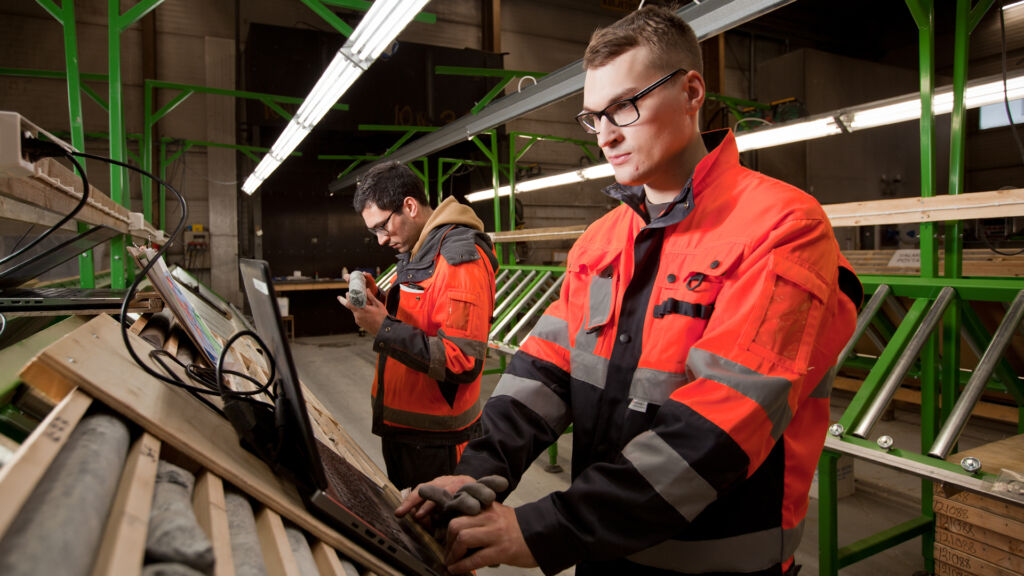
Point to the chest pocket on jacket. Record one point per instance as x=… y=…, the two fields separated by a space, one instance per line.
x=412 y=304
x=683 y=301
x=594 y=277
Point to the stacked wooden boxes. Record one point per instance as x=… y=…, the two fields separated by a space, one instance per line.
x=976 y=534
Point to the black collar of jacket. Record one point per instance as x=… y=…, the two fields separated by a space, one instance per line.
x=456 y=244
x=681 y=205
x=633 y=196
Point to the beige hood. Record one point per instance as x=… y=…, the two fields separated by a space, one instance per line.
x=449 y=212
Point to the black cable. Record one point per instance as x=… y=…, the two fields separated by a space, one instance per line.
x=984 y=237
x=155 y=355
x=220 y=372
x=23 y=236
x=39 y=149
x=1006 y=97
x=142 y=274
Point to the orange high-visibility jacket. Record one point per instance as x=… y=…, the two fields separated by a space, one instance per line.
x=431 y=346
x=693 y=353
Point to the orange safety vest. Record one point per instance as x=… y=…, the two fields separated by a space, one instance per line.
x=431 y=347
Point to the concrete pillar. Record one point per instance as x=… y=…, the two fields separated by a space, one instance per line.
x=221 y=170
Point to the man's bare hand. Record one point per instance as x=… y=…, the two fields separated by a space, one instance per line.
x=490 y=538
x=369 y=317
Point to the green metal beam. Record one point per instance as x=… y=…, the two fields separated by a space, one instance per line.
x=875 y=378
x=65 y=15
x=972 y=288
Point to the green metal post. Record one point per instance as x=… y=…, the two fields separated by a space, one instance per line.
x=65 y=15
x=924 y=15
x=117 y=23
x=828 y=514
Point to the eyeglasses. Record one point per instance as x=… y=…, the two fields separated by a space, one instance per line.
x=382 y=228
x=622 y=112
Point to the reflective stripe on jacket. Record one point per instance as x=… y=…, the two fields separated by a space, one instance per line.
x=432 y=344
x=693 y=355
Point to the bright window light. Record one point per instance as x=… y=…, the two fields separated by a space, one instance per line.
x=376 y=31
x=994 y=115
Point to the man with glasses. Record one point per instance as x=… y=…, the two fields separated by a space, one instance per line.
x=692 y=348
x=430 y=331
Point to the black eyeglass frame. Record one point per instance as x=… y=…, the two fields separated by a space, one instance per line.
x=382 y=228
x=632 y=100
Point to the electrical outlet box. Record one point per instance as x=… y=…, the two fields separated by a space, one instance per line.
x=13 y=127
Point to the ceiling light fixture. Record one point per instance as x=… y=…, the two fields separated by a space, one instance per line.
x=382 y=23
x=880 y=113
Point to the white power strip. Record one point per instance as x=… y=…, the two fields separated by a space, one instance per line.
x=13 y=127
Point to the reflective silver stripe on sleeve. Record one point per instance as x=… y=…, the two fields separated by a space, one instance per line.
x=588 y=367
x=824 y=388
x=600 y=301
x=669 y=474
x=468 y=346
x=437 y=358
x=655 y=386
x=770 y=392
x=552 y=329
x=751 y=552
x=536 y=397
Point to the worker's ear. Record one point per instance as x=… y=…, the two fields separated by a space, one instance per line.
x=411 y=206
x=693 y=84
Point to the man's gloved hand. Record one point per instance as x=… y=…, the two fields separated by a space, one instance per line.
x=467 y=501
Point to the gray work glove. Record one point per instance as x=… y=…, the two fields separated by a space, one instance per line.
x=467 y=501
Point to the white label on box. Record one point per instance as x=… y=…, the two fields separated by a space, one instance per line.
x=908 y=258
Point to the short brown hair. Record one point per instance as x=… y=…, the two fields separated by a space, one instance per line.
x=387 y=185
x=670 y=39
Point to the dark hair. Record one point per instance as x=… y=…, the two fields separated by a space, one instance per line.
x=672 y=42
x=386 y=185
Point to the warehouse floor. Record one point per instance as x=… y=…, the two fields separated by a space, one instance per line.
x=339 y=369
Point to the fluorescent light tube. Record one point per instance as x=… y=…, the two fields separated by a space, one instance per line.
x=376 y=31
x=787 y=133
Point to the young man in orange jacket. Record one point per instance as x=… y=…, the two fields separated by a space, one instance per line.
x=430 y=332
x=693 y=348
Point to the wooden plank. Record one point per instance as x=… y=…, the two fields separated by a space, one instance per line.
x=57 y=189
x=104 y=368
x=299 y=285
x=23 y=212
x=13 y=357
x=997 y=507
x=123 y=548
x=959 y=527
x=981 y=550
x=539 y=234
x=910 y=397
x=212 y=516
x=983 y=518
x=327 y=560
x=966 y=564
x=18 y=478
x=995 y=204
x=277 y=552
x=1007 y=453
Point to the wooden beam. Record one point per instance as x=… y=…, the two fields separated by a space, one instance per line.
x=997 y=204
x=18 y=478
x=212 y=516
x=104 y=368
x=57 y=189
x=539 y=234
x=277 y=552
x=123 y=548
